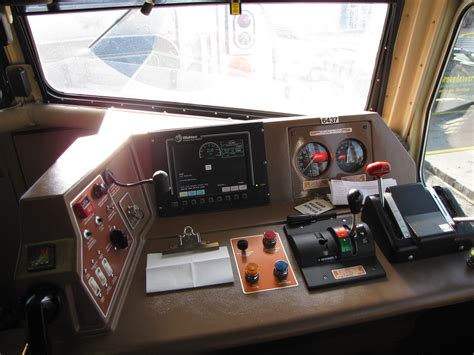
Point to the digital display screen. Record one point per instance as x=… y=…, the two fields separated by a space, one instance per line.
x=210 y=168
x=41 y=257
x=211 y=165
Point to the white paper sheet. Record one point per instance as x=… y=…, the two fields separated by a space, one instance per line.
x=315 y=206
x=187 y=270
x=340 y=189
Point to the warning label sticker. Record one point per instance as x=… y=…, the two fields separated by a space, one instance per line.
x=348 y=272
x=330 y=131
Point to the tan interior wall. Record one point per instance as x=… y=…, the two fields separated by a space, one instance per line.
x=415 y=135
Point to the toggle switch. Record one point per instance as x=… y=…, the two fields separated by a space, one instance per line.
x=94 y=286
x=101 y=276
x=107 y=267
x=242 y=245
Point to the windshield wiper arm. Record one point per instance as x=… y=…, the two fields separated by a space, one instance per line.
x=117 y=21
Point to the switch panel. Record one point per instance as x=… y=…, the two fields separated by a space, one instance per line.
x=103 y=257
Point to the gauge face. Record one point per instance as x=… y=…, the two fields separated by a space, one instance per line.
x=312 y=160
x=209 y=150
x=351 y=155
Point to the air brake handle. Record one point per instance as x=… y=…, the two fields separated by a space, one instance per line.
x=379 y=169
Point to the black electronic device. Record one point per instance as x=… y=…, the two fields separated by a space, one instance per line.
x=335 y=251
x=416 y=222
x=211 y=168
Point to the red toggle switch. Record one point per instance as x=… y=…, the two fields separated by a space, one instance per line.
x=378 y=169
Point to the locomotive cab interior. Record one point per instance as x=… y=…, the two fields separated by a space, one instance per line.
x=221 y=177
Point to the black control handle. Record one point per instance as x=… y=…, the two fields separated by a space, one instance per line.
x=42 y=305
x=161 y=182
x=355 y=198
x=307 y=218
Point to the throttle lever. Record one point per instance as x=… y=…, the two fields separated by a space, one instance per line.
x=355 y=199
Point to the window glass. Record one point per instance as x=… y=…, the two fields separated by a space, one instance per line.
x=296 y=57
x=449 y=154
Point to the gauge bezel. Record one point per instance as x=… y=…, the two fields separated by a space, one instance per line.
x=364 y=151
x=297 y=168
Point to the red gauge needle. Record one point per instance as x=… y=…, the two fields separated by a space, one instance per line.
x=318 y=157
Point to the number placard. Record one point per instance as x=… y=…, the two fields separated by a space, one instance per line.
x=329 y=120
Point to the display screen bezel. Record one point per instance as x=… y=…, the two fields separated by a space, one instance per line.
x=255 y=192
x=198 y=141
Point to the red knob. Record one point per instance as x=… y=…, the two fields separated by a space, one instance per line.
x=378 y=169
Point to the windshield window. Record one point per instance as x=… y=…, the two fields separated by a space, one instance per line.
x=297 y=58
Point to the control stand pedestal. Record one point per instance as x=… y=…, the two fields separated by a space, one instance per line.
x=328 y=256
x=336 y=251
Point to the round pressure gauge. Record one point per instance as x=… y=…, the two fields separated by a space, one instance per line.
x=312 y=160
x=351 y=155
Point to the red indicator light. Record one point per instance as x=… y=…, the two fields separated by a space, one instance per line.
x=244 y=20
x=342 y=156
x=240 y=67
x=341 y=232
x=84 y=208
x=269 y=235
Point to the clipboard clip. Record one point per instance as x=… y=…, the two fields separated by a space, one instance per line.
x=191 y=241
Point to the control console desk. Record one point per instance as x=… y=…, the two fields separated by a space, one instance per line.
x=101 y=234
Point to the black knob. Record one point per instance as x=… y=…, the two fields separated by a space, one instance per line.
x=99 y=190
x=242 y=244
x=355 y=199
x=161 y=182
x=118 y=239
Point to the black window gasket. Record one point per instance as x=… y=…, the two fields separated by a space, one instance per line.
x=50 y=95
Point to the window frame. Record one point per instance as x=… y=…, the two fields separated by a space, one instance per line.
x=375 y=97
